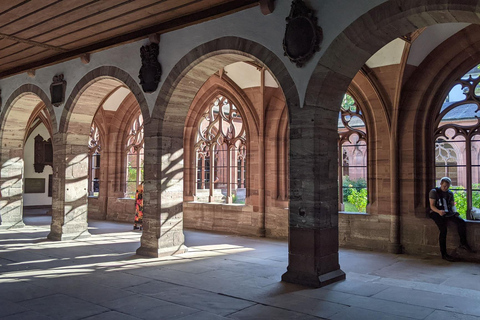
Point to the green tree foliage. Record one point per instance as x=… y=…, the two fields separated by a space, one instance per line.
x=348 y=186
x=359 y=199
x=461 y=199
x=348 y=103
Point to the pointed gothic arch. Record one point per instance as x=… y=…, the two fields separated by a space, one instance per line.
x=24 y=100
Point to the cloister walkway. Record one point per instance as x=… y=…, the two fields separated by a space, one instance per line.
x=220 y=277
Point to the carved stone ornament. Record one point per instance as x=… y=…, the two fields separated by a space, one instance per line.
x=151 y=70
x=57 y=90
x=43 y=153
x=302 y=35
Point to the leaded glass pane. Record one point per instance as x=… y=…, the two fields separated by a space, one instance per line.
x=353 y=161
x=220 y=135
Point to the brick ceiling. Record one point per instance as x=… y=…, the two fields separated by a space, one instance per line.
x=36 y=33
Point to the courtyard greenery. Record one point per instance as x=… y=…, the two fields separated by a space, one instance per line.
x=460 y=195
x=355 y=195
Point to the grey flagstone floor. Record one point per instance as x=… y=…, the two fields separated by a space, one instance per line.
x=220 y=277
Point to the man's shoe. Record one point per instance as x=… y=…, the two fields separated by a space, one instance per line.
x=448 y=257
x=467 y=248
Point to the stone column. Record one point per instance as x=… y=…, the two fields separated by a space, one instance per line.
x=70 y=181
x=313 y=219
x=163 y=194
x=11 y=189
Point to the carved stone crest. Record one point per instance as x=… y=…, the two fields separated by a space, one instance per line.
x=151 y=70
x=302 y=35
x=57 y=90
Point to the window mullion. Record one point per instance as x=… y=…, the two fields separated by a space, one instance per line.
x=212 y=174
x=469 y=176
x=229 y=175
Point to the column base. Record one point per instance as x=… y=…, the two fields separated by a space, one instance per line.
x=12 y=225
x=162 y=252
x=68 y=236
x=394 y=248
x=311 y=280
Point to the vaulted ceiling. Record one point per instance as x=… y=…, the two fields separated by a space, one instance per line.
x=36 y=33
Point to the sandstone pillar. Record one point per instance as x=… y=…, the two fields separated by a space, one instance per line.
x=11 y=189
x=70 y=192
x=313 y=218
x=163 y=195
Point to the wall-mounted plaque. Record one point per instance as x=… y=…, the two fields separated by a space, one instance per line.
x=151 y=70
x=302 y=35
x=43 y=153
x=57 y=90
x=34 y=185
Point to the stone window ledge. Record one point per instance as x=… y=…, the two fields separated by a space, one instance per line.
x=126 y=199
x=227 y=206
x=473 y=221
x=354 y=213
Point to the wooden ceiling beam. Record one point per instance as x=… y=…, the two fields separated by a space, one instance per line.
x=167 y=26
x=32 y=43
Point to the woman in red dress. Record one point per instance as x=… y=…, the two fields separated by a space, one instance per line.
x=138 y=208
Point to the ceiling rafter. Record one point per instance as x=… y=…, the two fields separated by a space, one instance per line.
x=32 y=41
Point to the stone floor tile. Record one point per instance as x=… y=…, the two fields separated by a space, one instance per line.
x=28 y=315
x=445 y=315
x=9 y=308
x=207 y=301
x=424 y=270
x=203 y=315
x=261 y=312
x=94 y=292
x=152 y=287
x=431 y=300
x=166 y=312
x=301 y=304
x=112 y=315
x=63 y=307
x=357 y=287
x=133 y=304
x=389 y=307
x=465 y=281
x=21 y=290
x=354 y=313
x=118 y=279
x=326 y=295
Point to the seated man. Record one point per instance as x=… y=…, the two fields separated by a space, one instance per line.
x=443 y=210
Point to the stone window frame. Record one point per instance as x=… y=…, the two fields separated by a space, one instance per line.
x=94 y=151
x=135 y=145
x=202 y=141
x=457 y=132
x=345 y=116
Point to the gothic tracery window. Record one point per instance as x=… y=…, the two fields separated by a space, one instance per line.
x=457 y=141
x=135 y=157
x=221 y=154
x=94 y=146
x=352 y=157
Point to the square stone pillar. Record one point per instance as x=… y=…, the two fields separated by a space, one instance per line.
x=70 y=192
x=163 y=197
x=313 y=218
x=11 y=189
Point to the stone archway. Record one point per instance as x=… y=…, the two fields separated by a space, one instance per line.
x=163 y=219
x=12 y=138
x=314 y=214
x=69 y=209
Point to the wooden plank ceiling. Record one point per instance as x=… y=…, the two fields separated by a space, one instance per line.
x=37 y=33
